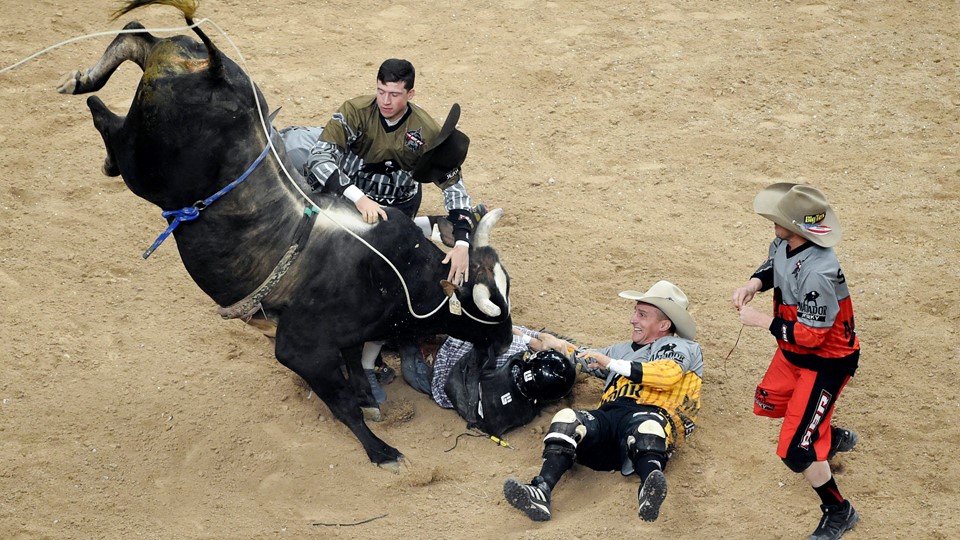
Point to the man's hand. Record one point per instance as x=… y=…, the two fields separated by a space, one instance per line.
x=549 y=341
x=459 y=259
x=596 y=359
x=370 y=210
x=752 y=317
x=743 y=295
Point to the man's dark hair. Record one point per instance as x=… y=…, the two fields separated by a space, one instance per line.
x=396 y=70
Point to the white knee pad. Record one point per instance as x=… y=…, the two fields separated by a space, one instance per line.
x=653 y=428
x=649 y=436
x=566 y=428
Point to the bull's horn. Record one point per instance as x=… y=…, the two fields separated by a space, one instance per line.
x=481 y=297
x=481 y=237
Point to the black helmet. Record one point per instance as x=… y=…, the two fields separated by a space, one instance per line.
x=546 y=376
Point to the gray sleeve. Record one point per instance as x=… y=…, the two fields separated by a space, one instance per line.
x=817 y=301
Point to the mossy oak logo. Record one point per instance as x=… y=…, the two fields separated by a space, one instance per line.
x=810 y=310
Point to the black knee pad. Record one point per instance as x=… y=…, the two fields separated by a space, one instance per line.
x=647 y=436
x=796 y=466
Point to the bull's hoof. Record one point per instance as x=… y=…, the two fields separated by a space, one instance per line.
x=372 y=414
x=394 y=466
x=110 y=168
x=68 y=83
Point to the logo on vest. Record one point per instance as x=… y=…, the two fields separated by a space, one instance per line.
x=809 y=309
x=413 y=140
x=669 y=352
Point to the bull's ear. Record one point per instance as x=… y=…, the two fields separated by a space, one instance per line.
x=448 y=287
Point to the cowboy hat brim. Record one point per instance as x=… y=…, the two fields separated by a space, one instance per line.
x=449 y=125
x=441 y=157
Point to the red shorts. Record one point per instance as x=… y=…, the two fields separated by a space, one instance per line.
x=805 y=400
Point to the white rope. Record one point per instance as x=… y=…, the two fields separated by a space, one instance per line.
x=100 y=34
x=266 y=130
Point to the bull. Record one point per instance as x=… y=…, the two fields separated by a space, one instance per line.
x=306 y=269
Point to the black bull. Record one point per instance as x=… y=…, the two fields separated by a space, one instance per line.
x=193 y=128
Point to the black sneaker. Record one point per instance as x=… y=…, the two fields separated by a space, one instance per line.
x=651 y=495
x=837 y=519
x=532 y=499
x=842 y=440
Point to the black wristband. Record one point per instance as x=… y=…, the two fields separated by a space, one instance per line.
x=782 y=329
x=462 y=226
x=636 y=372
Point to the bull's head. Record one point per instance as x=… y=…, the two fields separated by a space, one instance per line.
x=485 y=297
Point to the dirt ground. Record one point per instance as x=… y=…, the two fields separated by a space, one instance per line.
x=625 y=142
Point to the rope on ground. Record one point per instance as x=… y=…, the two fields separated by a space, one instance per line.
x=322 y=524
x=457 y=440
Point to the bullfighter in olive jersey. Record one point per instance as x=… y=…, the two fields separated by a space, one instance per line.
x=376 y=151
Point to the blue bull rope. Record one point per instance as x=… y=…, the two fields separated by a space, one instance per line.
x=190 y=213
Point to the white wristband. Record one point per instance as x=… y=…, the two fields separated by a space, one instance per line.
x=353 y=193
x=525 y=339
x=620 y=367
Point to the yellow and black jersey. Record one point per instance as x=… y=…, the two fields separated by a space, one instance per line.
x=667 y=374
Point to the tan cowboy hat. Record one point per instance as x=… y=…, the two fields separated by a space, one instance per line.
x=672 y=302
x=442 y=157
x=800 y=209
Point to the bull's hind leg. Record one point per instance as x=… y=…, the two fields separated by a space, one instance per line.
x=361 y=385
x=133 y=47
x=319 y=365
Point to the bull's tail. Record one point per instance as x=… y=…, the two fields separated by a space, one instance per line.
x=189 y=9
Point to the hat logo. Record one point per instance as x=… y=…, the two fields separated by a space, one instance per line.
x=814 y=218
x=811 y=224
x=815 y=229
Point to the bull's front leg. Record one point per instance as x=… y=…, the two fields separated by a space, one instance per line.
x=132 y=46
x=319 y=364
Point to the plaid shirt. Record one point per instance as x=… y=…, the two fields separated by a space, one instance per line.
x=454 y=349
